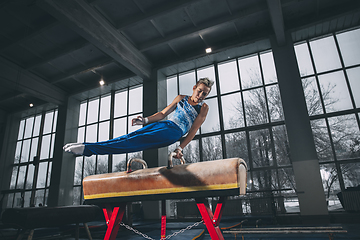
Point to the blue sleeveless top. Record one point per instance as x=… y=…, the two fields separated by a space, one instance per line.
x=185 y=114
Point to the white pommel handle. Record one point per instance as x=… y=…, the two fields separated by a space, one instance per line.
x=128 y=167
x=170 y=163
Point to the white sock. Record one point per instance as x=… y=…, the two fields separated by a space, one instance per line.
x=70 y=144
x=76 y=149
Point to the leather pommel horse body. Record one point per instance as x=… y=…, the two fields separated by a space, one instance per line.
x=222 y=178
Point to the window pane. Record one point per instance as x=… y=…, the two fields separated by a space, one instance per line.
x=330 y=182
x=265 y=180
x=21 y=177
x=345 y=134
x=192 y=152
x=211 y=148
x=171 y=90
x=236 y=146
x=261 y=150
x=82 y=113
x=29 y=127
x=135 y=100
x=211 y=123
x=354 y=79
x=48 y=122
x=104 y=131
x=274 y=102
x=303 y=59
x=30 y=176
x=37 y=126
x=351 y=174
x=42 y=175
x=255 y=107
x=91 y=133
x=55 y=121
x=78 y=170
x=93 y=110
x=350 y=46
x=27 y=198
x=17 y=152
x=281 y=143
x=286 y=178
x=89 y=166
x=119 y=163
x=10 y=200
x=52 y=145
x=39 y=198
x=186 y=83
x=45 y=147
x=77 y=196
x=25 y=151
x=13 y=177
x=208 y=72
x=322 y=140
x=81 y=135
x=21 y=129
x=105 y=108
x=325 y=54
x=268 y=67
x=250 y=75
x=49 y=175
x=232 y=111
x=120 y=104
x=335 y=92
x=228 y=77
x=102 y=164
x=119 y=127
x=312 y=96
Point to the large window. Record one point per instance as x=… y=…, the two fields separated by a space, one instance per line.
x=245 y=120
x=101 y=119
x=330 y=70
x=33 y=160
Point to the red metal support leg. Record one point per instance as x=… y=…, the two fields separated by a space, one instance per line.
x=211 y=222
x=113 y=218
x=163 y=220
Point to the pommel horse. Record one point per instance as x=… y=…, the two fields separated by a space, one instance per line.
x=199 y=180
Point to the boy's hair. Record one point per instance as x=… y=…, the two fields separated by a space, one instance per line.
x=206 y=81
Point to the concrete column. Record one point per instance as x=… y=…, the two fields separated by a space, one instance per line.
x=63 y=167
x=302 y=147
x=154 y=100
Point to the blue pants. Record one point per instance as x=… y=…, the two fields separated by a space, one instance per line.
x=154 y=135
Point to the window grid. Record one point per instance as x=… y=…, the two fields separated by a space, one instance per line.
x=334 y=177
x=259 y=191
x=98 y=164
x=27 y=175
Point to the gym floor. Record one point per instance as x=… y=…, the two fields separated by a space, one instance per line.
x=151 y=230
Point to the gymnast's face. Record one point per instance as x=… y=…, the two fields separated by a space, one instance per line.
x=200 y=92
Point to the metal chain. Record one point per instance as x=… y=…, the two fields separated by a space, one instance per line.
x=136 y=231
x=168 y=237
x=183 y=230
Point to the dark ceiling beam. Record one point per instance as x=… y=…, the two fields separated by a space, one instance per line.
x=87 y=22
x=108 y=81
x=17 y=78
x=259 y=8
x=29 y=34
x=158 y=11
x=74 y=72
x=10 y=96
x=277 y=20
x=74 y=46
